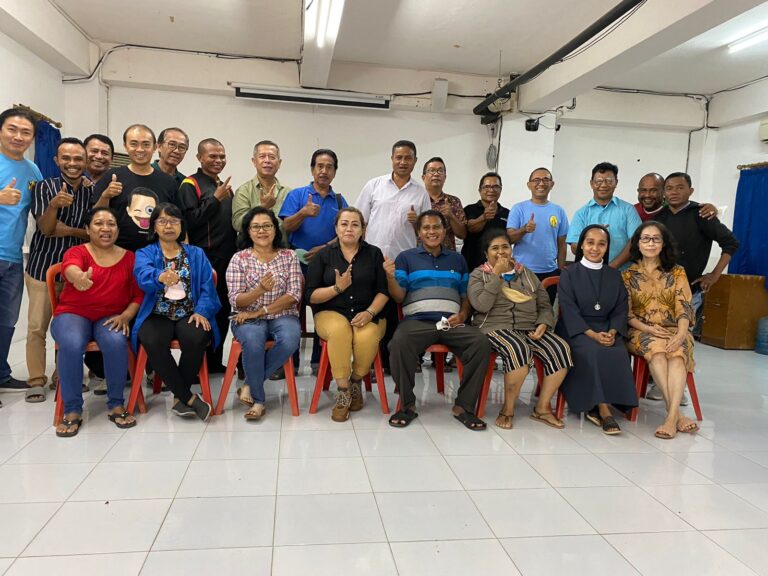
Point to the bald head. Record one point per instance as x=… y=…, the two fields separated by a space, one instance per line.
x=650 y=191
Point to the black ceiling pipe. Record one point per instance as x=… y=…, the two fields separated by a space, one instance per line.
x=603 y=22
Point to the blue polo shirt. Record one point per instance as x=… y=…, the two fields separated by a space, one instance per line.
x=537 y=251
x=313 y=231
x=618 y=216
x=434 y=285
x=13 y=219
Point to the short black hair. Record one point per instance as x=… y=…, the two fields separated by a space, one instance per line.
x=161 y=137
x=683 y=175
x=207 y=141
x=430 y=161
x=430 y=212
x=537 y=169
x=324 y=152
x=169 y=210
x=69 y=140
x=489 y=175
x=266 y=143
x=404 y=144
x=605 y=167
x=26 y=114
x=91 y=214
x=580 y=250
x=101 y=138
x=141 y=127
x=244 y=239
x=490 y=235
x=669 y=252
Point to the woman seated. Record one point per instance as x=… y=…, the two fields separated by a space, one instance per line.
x=264 y=283
x=98 y=302
x=593 y=318
x=180 y=303
x=513 y=309
x=660 y=313
x=346 y=307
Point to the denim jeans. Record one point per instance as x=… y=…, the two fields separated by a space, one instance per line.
x=11 y=290
x=258 y=363
x=72 y=333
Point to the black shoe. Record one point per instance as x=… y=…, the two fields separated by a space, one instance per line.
x=183 y=410
x=12 y=384
x=279 y=375
x=201 y=408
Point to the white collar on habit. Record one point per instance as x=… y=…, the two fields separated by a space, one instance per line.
x=591 y=265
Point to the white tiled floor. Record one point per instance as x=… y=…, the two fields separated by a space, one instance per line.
x=304 y=495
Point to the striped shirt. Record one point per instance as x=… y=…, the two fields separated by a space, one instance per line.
x=44 y=251
x=245 y=271
x=434 y=285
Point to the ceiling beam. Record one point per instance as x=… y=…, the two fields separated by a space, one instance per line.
x=657 y=26
x=322 y=21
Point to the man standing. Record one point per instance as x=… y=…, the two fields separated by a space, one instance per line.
x=264 y=189
x=604 y=208
x=172 y=146
x=483 y=215
x=17 y=174
x=390 y=205
x=650 y=196
x=60 y=206
x=206 y=203
x=537 y=228
x=433 y=175
x=99 y=150
x=115 y=188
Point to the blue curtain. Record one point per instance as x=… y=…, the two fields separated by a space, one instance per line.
x=750 y=223
x=46 y=140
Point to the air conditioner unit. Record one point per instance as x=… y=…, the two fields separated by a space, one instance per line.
x=312 y=96
x=762 y=130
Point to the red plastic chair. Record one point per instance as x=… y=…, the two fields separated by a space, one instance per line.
x=642 y=372
x=50 y=281
x=234 y=354
x=323 y=381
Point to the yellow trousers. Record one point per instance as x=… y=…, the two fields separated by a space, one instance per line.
x=350 y=350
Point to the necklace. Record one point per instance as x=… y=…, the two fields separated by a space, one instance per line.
x=597 y=289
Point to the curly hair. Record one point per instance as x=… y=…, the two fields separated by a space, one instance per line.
x=669 y=251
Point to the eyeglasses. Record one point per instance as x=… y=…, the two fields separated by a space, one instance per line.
x=260 y=227
x=168 y=222
x=651 y=239
x=491 y=188
x=606 y=181
x=176 y=146
x=541 y=180
x=437 y=171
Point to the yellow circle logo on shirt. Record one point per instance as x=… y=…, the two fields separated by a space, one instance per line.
x=553 y=221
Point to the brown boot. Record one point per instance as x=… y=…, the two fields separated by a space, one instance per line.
x=356 y=392
x=340 y=412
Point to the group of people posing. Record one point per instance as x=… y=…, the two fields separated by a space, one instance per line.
x=149 y=255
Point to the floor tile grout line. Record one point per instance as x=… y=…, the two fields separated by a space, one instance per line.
x=728 y=552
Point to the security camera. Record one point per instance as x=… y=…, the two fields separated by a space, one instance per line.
x=532 y=125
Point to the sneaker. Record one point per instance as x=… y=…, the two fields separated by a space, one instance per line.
x=183 y=410
x=99 y=386
x=201 y=408
x=340 y=412
x=13 y=385
x=654 y=393
x=356 y=395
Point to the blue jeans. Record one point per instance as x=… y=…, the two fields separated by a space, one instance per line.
x=258 y=363
x=72 y=333
x=11 y=290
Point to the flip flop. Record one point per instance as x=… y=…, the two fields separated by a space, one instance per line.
x=663 y=434
x=508 y=420
x=243 y=399
x=114 y=417
x=547 y=418
x=470 y=421
x=690 y=428
x=69 y=423
x=35 y=394
x=256 y=412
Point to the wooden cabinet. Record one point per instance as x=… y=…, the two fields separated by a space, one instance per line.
x=732 y=308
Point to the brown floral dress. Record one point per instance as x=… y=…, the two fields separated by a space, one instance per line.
x=659 y=299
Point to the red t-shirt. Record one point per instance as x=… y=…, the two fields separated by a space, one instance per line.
x=114 y=287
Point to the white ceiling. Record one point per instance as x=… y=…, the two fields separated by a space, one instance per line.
x=461 y=36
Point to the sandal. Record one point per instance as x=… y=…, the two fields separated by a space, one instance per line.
x=402 y=418
x=610 y=426
x=35 y=394
x=594 y=417
x=69 y=423
x=256 y=412
x=547 y=418
x=504 y=421
x=244 y=398
x=115 y=416
x=470 y=421
x=686 y=425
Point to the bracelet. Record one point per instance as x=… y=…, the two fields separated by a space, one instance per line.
x=371 y=313
x=337 y=289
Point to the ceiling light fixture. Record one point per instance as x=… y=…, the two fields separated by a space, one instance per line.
x=748 y=41
x=322 y=22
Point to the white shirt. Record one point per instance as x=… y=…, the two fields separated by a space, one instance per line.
x=385 y=208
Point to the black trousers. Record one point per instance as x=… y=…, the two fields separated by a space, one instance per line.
x=412 y=337
x=156 y=334
x=220 y=263
x=389 y=312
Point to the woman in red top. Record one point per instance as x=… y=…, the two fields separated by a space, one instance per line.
x=98 y=302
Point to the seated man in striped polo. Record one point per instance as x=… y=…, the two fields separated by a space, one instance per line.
x=431 y=284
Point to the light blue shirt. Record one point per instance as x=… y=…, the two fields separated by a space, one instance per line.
x=537 y=250
x=618 y=216
x=13 y=219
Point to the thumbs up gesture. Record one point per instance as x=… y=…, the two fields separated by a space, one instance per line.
x=62 y=198
x=490 y=211
x=169 y=277
x=223 y=190
x=344 y=281
x=115 y=188
x=311 y=209
x=83 y=280
x=412 y=216
x=389 y=267
x=9 y=196
x=530 y=226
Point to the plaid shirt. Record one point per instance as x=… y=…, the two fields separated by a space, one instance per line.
x=458 y=212
x=245 y=271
